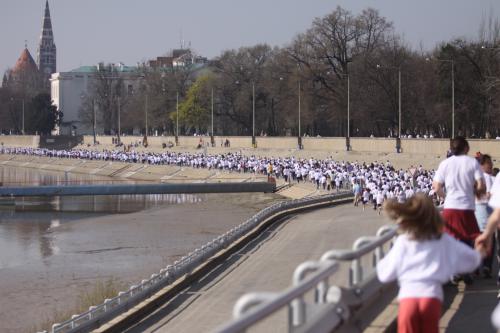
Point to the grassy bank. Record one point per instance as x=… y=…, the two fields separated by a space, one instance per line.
x=96 y=295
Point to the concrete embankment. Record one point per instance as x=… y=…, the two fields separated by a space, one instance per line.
x=127 y=171
x=120 y=171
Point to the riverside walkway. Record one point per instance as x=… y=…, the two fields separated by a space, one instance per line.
x=267 y=264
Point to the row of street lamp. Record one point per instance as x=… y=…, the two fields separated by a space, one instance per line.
x=398 y=68
x=299 y=109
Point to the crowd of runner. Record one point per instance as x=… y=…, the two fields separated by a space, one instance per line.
x=465 y=186
x=372 y=183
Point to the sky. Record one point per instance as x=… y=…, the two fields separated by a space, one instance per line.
x=90 y=31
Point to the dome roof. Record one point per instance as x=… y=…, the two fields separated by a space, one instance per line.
x=25 y=63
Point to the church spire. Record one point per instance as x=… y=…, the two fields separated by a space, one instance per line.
x=47 y=24
x=46 y=55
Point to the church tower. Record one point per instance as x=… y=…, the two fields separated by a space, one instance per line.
x=46 y=53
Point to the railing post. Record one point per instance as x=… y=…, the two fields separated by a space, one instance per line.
x=357 y=272
x=55 y=327
x=298 y=305
x=321 y=291
x=73 y=317
x=298 y=312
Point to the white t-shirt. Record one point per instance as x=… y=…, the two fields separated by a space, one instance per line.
x=495 y=194
x=380 y=198
x=421 y=267
x=488 y=179
x=458 y=174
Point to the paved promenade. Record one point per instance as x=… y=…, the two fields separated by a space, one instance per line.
x=266 y=264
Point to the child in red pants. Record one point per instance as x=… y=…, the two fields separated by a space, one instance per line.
x=422 y=259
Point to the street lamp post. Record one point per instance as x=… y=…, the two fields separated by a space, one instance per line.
x=254 y=145
x=299 y=138
x=348 y=136
x=212 y=138
x=143 y=77
x=23 y=119
x=452 y=99
x=398 y=139
x=119 y=120
x=253 y=115
x=493 y=80
x=399 y=107
x=94 y=120
x=348 y=132
x=299 y=93
x=177 y=121
x=452 y=62
x=146 y=115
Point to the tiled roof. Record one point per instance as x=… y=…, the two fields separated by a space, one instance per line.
x=25 y=63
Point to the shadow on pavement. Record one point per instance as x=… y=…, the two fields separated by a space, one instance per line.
x=169 y=310
x=468 y=308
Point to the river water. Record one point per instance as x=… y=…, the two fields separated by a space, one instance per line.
x=25 y=223
x=54 y=248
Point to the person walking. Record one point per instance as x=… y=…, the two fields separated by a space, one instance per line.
x=357 y=193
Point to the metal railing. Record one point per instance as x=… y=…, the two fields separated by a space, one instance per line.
x=102 y=313
x=333 y=307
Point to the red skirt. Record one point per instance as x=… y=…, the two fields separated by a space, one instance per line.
x=461 y=224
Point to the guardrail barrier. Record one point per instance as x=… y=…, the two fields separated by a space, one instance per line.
x=334 y=308
x=102 y=313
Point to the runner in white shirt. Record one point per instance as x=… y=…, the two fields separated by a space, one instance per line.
x=462 y=177
x=380 y=200
x=366 y=197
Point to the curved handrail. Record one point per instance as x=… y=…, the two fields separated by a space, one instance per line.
x=138 y=293
x=269 y=306
x=348 y=255
x=307 y=276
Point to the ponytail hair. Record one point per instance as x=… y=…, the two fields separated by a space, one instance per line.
x=459 y=146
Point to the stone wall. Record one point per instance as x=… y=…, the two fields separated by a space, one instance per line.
x=20 y=140
x=378 y=145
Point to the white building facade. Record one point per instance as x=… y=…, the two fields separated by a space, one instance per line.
x=68 y=90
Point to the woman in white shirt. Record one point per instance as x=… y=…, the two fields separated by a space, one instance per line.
x=462 y=177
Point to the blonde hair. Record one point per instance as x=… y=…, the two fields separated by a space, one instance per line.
x=417 y=216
